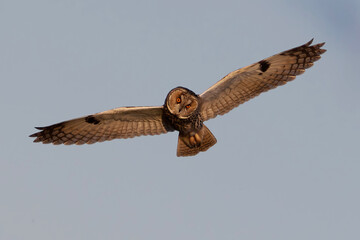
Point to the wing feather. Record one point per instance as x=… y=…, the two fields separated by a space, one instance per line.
x=245 y=83
x=125 y=122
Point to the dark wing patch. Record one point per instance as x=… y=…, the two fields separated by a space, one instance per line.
x=264 y=65
x=92 y=120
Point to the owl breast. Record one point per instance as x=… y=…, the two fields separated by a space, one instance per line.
x=191 y=124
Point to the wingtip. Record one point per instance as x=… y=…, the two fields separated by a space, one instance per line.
x=309 y=42
x=317 y=46
x=321 y=44
x=322 y=51
x=37 y=133
x=33 y=135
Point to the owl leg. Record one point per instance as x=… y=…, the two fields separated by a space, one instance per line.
x=192 y=144
x=195 y=141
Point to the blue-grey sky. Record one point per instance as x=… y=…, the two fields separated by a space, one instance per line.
x=286 y=165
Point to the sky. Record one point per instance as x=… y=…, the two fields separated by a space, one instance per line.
x=286 y=164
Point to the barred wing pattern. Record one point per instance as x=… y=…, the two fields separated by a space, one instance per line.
x=245 y=83
x=124 y=122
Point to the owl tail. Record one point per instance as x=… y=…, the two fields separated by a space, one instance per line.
x=192 y=145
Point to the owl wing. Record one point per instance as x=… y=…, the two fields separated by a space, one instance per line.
x=245 y=83
x=124 y=122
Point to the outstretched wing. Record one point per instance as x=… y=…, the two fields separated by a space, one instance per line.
x=124 y=122
x=245 y=83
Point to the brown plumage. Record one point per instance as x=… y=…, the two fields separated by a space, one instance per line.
x=183 y=110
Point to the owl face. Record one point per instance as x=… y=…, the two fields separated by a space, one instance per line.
x=182 y=102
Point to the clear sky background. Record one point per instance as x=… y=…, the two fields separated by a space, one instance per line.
x=286 y=165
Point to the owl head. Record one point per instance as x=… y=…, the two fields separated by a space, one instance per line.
x=182 y=102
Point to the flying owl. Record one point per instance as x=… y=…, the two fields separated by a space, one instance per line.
x=183 y=110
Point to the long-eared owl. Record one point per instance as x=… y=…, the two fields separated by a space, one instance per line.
x=183 y=110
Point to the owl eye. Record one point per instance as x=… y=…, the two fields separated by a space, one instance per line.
x=178 y=100
x=188 y=106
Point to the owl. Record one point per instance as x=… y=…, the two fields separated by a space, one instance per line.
x=183 y=110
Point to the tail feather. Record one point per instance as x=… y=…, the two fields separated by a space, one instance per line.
x=184 y=147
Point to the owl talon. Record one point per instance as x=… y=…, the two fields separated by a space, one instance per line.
x=198 y=138
x=192 y=141
x=195 y=141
